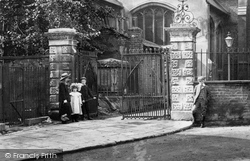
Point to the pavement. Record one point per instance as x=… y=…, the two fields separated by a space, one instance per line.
x=83 y=135
x=237 y=132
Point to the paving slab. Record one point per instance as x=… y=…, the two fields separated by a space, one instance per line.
x=90 y=134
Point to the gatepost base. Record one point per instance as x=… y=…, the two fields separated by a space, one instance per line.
x=181 y=115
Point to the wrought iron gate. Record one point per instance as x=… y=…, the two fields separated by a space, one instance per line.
x=145 y=85
x=85 y=64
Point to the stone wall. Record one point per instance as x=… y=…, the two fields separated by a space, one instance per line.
x=230 y=103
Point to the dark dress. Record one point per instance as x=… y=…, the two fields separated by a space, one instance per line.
x=86 y=96
x=64 y=108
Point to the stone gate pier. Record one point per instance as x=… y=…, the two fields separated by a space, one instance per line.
x=62 y=47
x=183 y=41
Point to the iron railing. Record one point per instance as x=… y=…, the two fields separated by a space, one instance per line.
x=216 y=66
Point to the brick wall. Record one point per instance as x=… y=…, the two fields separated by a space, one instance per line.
x=230 y=103
x=135 y=34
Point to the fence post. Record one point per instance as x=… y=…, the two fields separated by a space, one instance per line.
x=182 y=38
x=1 y=91
x=228 y=65
x=62 y=47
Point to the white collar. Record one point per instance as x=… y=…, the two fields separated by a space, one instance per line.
x=203 y=85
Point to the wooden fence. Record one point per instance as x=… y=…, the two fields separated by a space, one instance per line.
x=25 y=89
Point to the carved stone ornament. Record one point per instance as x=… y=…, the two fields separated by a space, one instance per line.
x=176 y=89
x=189 y=80
x=188 y=89
x=175 y=97
x=53 y=66
x=66 y=49
x=54 y=90
x=176 y=72
x=53 y=98
x=53 y=58
x=177 y=106
x=66 y=58
x=175 y=80
x=54 y=74
x=175 y=63
x=188 y=72
x=189 y=98
x=188 y=63
x=187 y=55
x=65 y=66
x=174 y=46
x=52 y=50
x=187 y=106
x=175 y=55
x=54 y=82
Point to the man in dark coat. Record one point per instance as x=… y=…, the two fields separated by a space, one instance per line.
x=86 y=96
x=64 y=99
x=201 y=98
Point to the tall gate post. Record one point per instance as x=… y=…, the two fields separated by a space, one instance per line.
x=183 y=41
x=62 y=47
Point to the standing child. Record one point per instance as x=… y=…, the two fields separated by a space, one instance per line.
x=86 y=96
x=76 y=102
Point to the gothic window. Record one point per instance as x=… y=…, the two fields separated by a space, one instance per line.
x=152 y=20
x=219 y=45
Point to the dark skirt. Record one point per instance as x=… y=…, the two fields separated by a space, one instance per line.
x=66 y=109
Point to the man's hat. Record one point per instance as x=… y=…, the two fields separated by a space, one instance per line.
x=200 y=78
x=83 y=78
x=64 y=76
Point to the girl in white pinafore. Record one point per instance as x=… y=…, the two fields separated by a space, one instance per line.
x=76 y=102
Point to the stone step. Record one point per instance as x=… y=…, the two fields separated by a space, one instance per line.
x=33 y=121
x=2 y=127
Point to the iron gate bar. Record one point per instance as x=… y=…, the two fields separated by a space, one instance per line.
x=166 y=86
x=1 y=91
x=87 y=67
x=24 y=57
x=16 y=109
x=139 y=54
x=247 y=58
x=146 y=99
x=163 y=83
x=238 y=64
x=3 y=88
